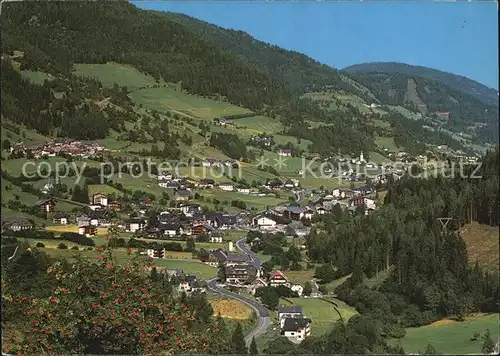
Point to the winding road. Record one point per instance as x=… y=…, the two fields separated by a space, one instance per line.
x=261 y=312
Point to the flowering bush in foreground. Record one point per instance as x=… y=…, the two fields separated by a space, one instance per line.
x=101 y=308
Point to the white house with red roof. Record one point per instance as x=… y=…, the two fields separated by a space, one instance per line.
x=278 y=279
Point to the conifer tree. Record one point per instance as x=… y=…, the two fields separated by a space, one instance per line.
x=253 y=347
x=238 y=341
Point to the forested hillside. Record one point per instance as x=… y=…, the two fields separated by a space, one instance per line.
x=457 y=82
x=296 y=70
x=54 y=35
x=428 y=275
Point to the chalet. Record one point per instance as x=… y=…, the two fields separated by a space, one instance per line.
x=256 y=283
x=198 y=229
x=289 y=184
x=114 y=206
x=183 y=194
x=368 y=203
x=17 y=224
x=320 y=210
x=213 y=258
x=165 y=176
x=443 y=114
x=100 y=199
x=84 y=228
x=289 y=311
x=164 y=182
x=47 y=205
x=226 y=122
x=226 y=186
x=147 y=202
x=296 y=329
x=95 y=207
x=155 y=251
x=240 y=274
x=297 y=288
x=345 y=193
x=217 y=257
x=170 y=229
x=244 y=190
x=275 y=185
x=278 y=279
x=98 y=218
x=232 y=163
x=172 y=185
x=261 y=140
x=188 y=284
x=135 y=224
x=293 y=213
x=206 y=183
x=60 y=218
x=190 y=209
x=308 y=213
x=285 y=152
x=210 y=162
x=218 y=220
x=264 y=222
x=216 y=237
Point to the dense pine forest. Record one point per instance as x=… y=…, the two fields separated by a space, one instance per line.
x=428 y=275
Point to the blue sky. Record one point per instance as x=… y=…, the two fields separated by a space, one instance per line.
x=456 y=37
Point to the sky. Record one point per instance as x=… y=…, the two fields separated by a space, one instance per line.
x=456 y=37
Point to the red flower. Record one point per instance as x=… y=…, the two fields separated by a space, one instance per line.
x=129 y=251
x=109 y=266
x=217 y=330
x=95 y=305
x=106 y=237
x=53 y=299
x=186 y=308
x=101 y=258
x=99 y=249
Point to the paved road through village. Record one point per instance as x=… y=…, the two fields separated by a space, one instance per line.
x=261 y=312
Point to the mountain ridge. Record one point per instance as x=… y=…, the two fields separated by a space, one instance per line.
x=455 y=81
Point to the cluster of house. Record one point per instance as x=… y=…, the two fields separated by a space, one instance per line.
x=18 y=223
x=262 y=140
x=275 y=218
x=188 y=220
x=74 y=148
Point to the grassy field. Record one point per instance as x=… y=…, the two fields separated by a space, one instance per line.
x=111 y=73
x=104 y=189
x=36 y=77
x=450 y=337
x=300 y=276
x=201 y=270
x=164 y=99
x=231 y=309
x=482 y=243
x=29 y=137
x=259 y=124
x=322 y=313
x=387 y=142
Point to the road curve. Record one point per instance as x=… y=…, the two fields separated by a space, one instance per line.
x=261 y=312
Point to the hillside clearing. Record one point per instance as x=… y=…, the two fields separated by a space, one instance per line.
x=450 y=337
x=482 y=243
x=231 y=309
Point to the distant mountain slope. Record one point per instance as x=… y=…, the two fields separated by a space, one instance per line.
x=466 y=113
x=460 y=83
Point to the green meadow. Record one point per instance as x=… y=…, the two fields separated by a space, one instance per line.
x=449 y=336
